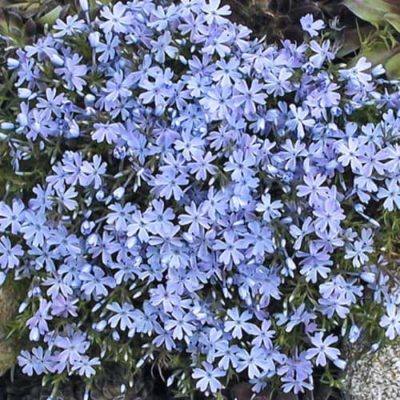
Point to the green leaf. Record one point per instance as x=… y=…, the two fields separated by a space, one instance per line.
x=377 y=53
x=51 y=17
x=373 y=11
x=351 y=40
x=394 y=20
x=392 y=67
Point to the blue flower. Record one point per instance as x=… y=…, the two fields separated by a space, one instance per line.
x=299 y=120
x=231 y=248
x=270 y=209
x=124 y=316
x=11 y=216
x=72 y=347
x=162 y=47
x=85 y=366
x=310 y=26
x=64 y=306
x=107 y=49
x=196 y=219
x=237 y=323
x=36 y=362
x=118 y=19
x=35 y=229
x=170 y=184
x=256 y=362
x=249 y=97
x=71 y=26
x=313 y=188
x=296 y=385
x=10 y=256
x=38 y=323
x=180 y=325
x=91 y=172
x=73 y=72
x=391 y=321
x=322 y=349
x=96 y=282
x=208 y=378
x=391 y=194
x=188 y=195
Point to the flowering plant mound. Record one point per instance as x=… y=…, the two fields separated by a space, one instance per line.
x=198 y=194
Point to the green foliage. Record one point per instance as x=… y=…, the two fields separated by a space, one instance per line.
x=376 y=12
x=379 y=39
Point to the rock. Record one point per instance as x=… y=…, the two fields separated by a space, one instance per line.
x=11 y=294
x=375 y=375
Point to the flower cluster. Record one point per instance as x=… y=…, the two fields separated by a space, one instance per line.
x=201 y=194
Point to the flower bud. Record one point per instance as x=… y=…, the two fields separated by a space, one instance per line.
x=34 y=334
x=24 y=93
x=97 y=306
x=378 y=70
x=94 y=39
x=375 y=347
x=22 y=119
x=93 y=240
x=119 y=193
x=348 y=108
x=22 y=307
x=57 y=60
x=140 y=363
x=132 y=38
x=368 y=277
x=119 y=152
x=337 y=111
x=67 y=106
x=159 y=110
x=12 y=63
x=89 y=100
x=87 y=227
x=84 y=5
x=74 y=130
x=170 y=380
x=290 y=264
x=360 y=208
x=100 y=195
x=7 y=126
x=183 y=60
x=100 y=326
x=271 y=169
x=354 y=334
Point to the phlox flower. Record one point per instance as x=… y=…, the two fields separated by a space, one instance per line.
x=391 y=321
x=322 y=349
x=237 y=323
x=207 y=378
x=310 y=26
x=117 y=19
x=181 y=185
